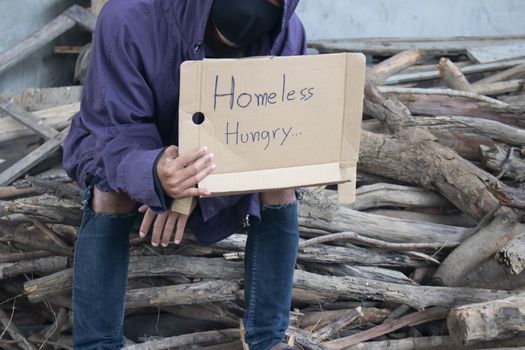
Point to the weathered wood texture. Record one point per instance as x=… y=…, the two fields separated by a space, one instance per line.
x=497 y=319
x=390 y=46
x=452 y=76
x=380 y=72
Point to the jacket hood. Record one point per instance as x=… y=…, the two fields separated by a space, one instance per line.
x=193 y=16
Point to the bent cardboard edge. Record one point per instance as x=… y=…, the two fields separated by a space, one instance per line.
x=342 y=171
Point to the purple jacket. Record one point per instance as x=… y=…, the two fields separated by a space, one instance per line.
x=129 y=108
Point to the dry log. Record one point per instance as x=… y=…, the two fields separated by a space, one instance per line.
x=434 y=343
x=13 y=331
x=445 y=218
x=39 y=266
x=413 y=156
x=419 y=343
x=352 y=236
x=390 y=195
x=464 y=144
x=21 y=236
x=413 y=319
x=321 y=212
x=213 y=312
x=490 y=128
x=14 y=257
x=452 y=76
x=192 y=293
x=497 y=319
x=512 y=73
x=367 y=272
x=513 y=254
x=187 y=339
x=509 y=196
x=321 y=318
x=11 y=192
x=380 y=72
x=506 y=161
x=452 y=102
x=434 y=73
x=499 y=88
x=335 y=326
x=477 y=248
x=390 y=46
x=417 y=296
x=37 y=99
x=490 y=274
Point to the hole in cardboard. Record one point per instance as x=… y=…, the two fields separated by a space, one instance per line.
x=198 y=118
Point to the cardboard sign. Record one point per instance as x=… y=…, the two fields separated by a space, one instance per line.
x=274 y=122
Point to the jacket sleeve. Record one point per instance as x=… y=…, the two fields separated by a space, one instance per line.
x=295 y=40
x=118 y=106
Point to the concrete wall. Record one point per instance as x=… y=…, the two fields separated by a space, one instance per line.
x=18 y=20
x=401 y=18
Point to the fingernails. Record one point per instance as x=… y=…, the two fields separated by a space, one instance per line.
x=164 y=245
x=177 y=241
x=142 y=234
x=213 y=166
x=205 y=149
x=211 y=155
x=155 y=244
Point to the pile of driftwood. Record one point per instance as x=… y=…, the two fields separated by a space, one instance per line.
x=429 y=257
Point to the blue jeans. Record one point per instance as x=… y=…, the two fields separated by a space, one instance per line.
x=101 y=274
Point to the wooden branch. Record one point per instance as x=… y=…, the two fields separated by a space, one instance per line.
x=46 y=265
x=374 y=242
x=403 y=78
x=192 y=293
x=334 y=327
x=452 y=102
x=509 y=196
x=513 y=254
x=413 y=319
x=482 y=245
x=36 y=99
x=413 y=156
x=25 y=164
x=187 y=339
x=389 y=195
x=28 y=119
x=82 y=17
x=493 y=129
x=321 y=212
x=390 y=46
x=498 y=319
x=11 y=192
x=452 y=76
x=490 y=274
x=380 y=72
x=15 y=257
x=505 y=160
x=37 y=40
x=57 y=118
x=499 y=88
x=13 y=331
x=322 y=318
x=416 y=296
x=20 y=236
x=514 y=73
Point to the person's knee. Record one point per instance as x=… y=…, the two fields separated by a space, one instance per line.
x=111 y=202
x=278 y=197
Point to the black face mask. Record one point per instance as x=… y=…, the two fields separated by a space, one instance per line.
x=243 y=21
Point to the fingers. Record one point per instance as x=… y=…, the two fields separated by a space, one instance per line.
x=158 y=228
x=191 y=156
x=198 y=177
x=171 y=152
x=181 y=225
x=146 y=221
x=193 y=192
x=168 y=228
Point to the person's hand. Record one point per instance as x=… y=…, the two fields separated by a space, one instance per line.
x=178 y=175
x=164 y=225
